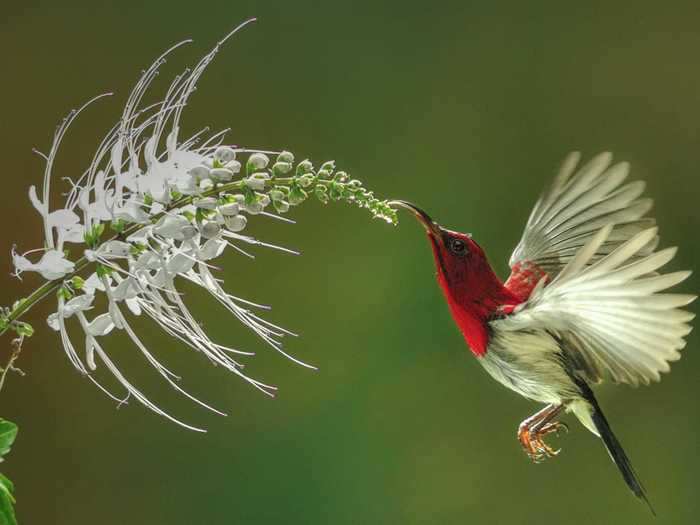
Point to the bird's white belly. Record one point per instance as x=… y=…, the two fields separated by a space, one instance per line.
x=530 y=363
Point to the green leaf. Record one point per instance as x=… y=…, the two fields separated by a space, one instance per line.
x=7 y=500
x=8 y=433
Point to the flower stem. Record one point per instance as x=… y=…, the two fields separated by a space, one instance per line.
x=21 y=307
x=16 y=349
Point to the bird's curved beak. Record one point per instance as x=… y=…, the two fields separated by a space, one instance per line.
x=429 y=224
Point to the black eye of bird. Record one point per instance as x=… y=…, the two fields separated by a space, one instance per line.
x=457 y=246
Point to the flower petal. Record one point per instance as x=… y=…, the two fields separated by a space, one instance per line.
x=100 y=325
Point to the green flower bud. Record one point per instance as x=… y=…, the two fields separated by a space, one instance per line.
x=281 y=206
x=103 y=271
x=280 y=168
x=254 y=207
x=257 y=181
x=224 y=154
x=306 y=180
x=263 y=199
x=286 y=156
x=257 y=161
x=64 y=293
x=321 y=194
x=297 y=195
x=335 y=191
x=117 y=225
x=24 y=329
x=305 y=166
x=276 y=195
x=327 y=166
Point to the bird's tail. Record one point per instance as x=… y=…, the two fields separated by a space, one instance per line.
x=617 y=453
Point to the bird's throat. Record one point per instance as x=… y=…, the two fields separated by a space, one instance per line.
x=473 y=302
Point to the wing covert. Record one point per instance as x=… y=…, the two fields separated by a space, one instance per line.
x=609 y=311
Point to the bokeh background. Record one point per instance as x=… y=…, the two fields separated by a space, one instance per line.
x=466 y=108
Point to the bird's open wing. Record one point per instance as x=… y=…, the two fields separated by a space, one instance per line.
x=579 y=203
x=609 y=311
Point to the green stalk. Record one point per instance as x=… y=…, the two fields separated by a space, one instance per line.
x=23 y=306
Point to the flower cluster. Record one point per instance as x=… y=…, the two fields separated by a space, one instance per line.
x=153 y=209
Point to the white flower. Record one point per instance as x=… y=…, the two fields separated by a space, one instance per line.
x=236 y=223
x=257 y=181
x=199 y=172
x=171 y=227
x=212 y=249
x=207 y=203
x=148 y=210
x=80 y=303
x=115 y=250
x=221 y=174
x=100 y=325
x=132 y=212
x=210 y=229
x=229 y=209
x=52 y=265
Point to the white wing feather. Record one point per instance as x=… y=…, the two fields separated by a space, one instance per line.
x=578 y=204
x=608 y=311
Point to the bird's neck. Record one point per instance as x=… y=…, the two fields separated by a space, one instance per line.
x=474 y=298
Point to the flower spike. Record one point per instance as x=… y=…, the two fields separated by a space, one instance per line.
x=153 y=209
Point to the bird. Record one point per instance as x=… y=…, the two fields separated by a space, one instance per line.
x=585 y=302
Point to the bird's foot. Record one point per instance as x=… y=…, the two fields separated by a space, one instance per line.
x=532 y=440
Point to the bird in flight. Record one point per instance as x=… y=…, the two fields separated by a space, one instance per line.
x=585 y=301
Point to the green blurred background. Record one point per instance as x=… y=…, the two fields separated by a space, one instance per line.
x=466 y=108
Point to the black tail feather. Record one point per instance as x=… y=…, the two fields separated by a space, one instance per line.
x=615 y=449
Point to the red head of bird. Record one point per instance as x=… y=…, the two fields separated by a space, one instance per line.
x=473 y=291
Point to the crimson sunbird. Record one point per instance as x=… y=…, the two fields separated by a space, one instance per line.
x=583 y=303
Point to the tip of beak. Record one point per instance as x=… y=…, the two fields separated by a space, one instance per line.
x=401 y=204
x=430 y=226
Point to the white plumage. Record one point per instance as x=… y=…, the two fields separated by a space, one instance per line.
x=578 y=204
x=602 y=296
